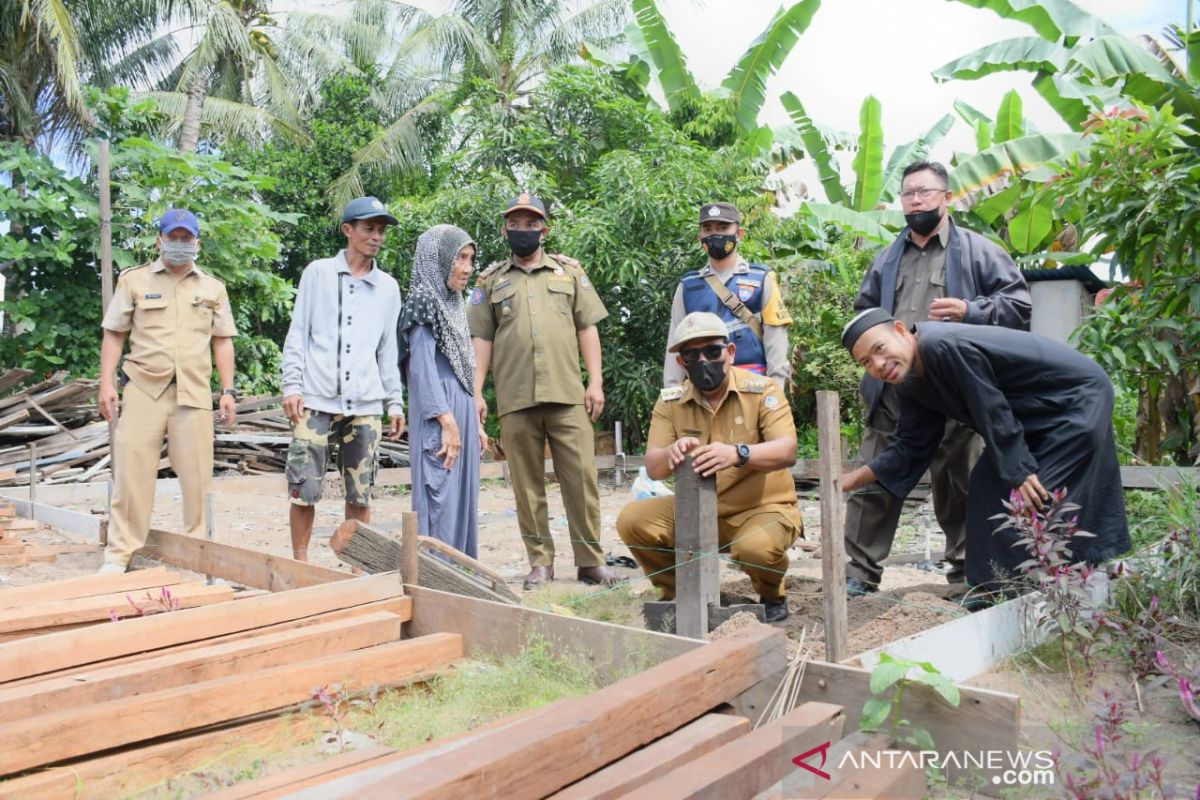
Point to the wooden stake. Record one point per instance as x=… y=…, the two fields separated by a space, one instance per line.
x=33 y=475
x=833 y=509
x=410 y=548
x=209 y=533
x=697 y=570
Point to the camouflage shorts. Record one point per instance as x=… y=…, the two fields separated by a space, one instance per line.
x=357 y=439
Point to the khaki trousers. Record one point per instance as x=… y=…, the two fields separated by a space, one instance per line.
x=137 y=446
x=759 y=545
x=567 y=428
x=872 y=513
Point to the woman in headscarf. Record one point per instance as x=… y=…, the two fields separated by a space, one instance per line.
x=439 y=366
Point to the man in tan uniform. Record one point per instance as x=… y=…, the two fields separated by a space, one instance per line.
x=172 y=314
x=531 y=318
x=735 y=424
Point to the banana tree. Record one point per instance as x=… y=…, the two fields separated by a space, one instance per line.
x=655 y=57
x=859 y=208
x=1079 y=62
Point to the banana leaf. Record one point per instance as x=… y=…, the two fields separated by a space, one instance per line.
x=1012 y=157
x=1023 y=54
x=1053 y=20
x=664 y=52
x=1010 y=121
x=878 y=226
x=868 y=161
x=817 y=147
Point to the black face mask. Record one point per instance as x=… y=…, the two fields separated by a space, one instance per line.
x=706 y=375
x=523 y=243
x=924 y=222
x=719 y=245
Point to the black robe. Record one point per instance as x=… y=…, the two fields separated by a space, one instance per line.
x=1041 y=407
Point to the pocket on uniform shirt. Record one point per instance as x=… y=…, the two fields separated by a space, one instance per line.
x=152 y=312
x=562 y=295
x=203 y=311
x=504 y=304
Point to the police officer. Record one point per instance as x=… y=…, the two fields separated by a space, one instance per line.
x=735 y=424
x=746 y=296
x=532 y=316
x=172 y=314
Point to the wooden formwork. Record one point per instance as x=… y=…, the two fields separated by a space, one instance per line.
x=88 y=709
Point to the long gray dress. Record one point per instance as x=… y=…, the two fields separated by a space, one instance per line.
x=446 y=501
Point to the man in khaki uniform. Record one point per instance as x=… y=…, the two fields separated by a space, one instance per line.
x=172 y=314
x=531 y=318
x=735 y=424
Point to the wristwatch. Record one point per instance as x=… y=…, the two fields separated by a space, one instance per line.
x=743 y=451
x=231 y=392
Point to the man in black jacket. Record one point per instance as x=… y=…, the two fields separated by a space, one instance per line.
x=934 y=271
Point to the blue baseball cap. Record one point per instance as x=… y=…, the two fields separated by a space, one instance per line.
x=176 y=218
x=367 y=208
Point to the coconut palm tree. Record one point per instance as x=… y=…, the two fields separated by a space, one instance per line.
x=51 y=49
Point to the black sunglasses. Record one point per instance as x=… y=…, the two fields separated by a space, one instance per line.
x=711 y=352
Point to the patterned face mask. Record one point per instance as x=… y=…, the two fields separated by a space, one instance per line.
x=179 y=253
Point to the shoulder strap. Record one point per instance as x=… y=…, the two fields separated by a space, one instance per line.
x=736 y=306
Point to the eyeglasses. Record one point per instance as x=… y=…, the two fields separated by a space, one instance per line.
x=711 y=352
x=928 y=191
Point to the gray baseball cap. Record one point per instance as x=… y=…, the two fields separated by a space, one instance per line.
x=367 y=208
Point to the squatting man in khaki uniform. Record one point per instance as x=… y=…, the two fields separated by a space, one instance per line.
x=172 y=314
x=340 y=368
x=735 y=424
x=531 y=318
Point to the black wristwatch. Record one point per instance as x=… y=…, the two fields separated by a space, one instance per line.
x=743 y=451
x=231 y=392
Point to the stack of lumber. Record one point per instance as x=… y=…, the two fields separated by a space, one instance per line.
x=13 y=551
x=653 y=734
x=169 y=687
x=61 y=418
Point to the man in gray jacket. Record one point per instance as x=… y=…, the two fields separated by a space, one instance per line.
x=934 y=271
x=340 y=370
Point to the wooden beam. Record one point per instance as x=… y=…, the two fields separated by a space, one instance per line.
x=751 y=763
x=283 y=783
x=577 y=736
x=833 y=510
x=802 y=783
x=66 y=734
x=988 y=720
x=499 y=629
x=639 y=768
x=400 y=607
x=238 y=565
x=56 y=651
x=195 y=666
x=130 y=771
x=106 y=606
x=697 y=568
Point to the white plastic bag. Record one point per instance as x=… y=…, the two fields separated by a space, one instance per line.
x=643 y=487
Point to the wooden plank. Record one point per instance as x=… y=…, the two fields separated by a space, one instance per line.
x=410 y=549
x=754 y=762
x=635 y=770
x=87 y=586
x=15 y=560
x=107 y=683
x=1158 y=477
x=499 y=629
x=475 y=569
x=542 y=754
x=237 y=564
x=96 y=643
x=987 y=719
x=103 y=607
x=281 y=784
x=399 y=606
x=86 y=525
x=833 y=510
x=128 y=772
x=803 y=783
x=49 y=738
x=697 y=569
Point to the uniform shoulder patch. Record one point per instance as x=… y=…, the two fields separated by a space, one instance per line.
x=753 y=384
x=566 y=261
x=491 y=270
x=671 y=393
x=477 y=296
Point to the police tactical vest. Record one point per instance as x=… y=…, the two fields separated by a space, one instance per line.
x=747 y=287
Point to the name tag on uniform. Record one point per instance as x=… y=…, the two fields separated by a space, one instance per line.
x=209 y=304
x=502 y=284
x=153 y=295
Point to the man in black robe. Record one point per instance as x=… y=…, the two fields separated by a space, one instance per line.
x=1044 y=412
